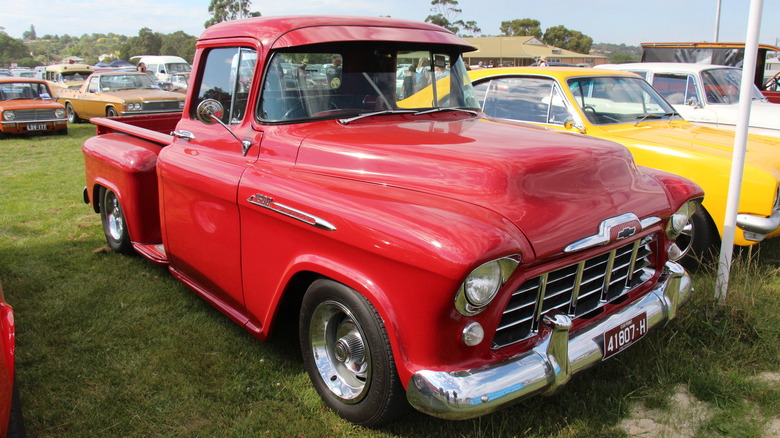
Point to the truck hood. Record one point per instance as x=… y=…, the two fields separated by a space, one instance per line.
x=762 y=152
x=762 y=114
x=555 y=187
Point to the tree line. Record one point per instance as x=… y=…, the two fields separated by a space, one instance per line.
x=32 y=50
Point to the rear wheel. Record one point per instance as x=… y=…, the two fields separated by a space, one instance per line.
x=348 y=355
x=114 y=226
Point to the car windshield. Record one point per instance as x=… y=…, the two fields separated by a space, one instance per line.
x=353 y=80
x=610 y=99
x=178 y=67
x=23 y=90
x=127 y=82
x=722 y=85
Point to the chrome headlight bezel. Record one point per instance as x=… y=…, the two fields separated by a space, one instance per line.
x=134 y=106
x=483 y=283
x=679 y=219
x=9 y=116
x=59 y=113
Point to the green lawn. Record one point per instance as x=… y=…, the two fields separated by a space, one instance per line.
x=113 y=346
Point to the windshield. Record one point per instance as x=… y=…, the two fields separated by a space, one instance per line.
x=126 y=82
x=23 y=90
x=350 y=80
x=178 y=67
x=606 y=100
x=721 y=85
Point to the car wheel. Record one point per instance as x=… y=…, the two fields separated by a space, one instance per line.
x=72 y=116
x=348 y=356
x=114 y=225
x=699 y=240
x=111 y=112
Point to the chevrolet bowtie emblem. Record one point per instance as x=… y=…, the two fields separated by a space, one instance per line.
x=611 y=230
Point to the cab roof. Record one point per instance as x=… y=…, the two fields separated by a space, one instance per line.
x=295 y=30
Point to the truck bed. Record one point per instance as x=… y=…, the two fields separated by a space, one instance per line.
x=153 y=127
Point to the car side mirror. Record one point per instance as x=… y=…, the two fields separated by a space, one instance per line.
x=570 y=123
x=210 y=111
x=694 y=102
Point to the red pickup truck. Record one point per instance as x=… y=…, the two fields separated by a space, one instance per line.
x=432 y=256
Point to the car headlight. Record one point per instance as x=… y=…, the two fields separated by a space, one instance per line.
x=134 y=106
x=679 y=219
x=9 y=115
x=181 y=104
x=59 y=113
x=483 y=283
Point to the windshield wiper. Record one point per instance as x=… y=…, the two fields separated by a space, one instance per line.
x=437 y=110
x=375 y=113
x=647 y=116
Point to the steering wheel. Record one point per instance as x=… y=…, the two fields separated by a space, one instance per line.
x=298 y=106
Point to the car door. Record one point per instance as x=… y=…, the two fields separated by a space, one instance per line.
x=199 y=176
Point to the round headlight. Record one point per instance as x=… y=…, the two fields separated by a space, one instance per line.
x=483 y=283
x=59 y=113
x=678 y=221
x=181 y=104
x=9 y=115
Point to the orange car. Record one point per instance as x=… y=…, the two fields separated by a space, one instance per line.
x=26 y=105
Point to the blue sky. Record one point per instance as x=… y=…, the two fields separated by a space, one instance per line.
x=627 y=21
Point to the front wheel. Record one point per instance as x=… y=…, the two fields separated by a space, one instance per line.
x=348 y=356
x=111 y=112
x=114 y=226
x=699 y=240
x=72 y=116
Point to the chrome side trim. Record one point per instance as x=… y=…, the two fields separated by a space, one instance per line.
x=464 y=394
x=269 y=203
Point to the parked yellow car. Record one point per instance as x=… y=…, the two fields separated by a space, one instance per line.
x=624 y=108
x=118 y=93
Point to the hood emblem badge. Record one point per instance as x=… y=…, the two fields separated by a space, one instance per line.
x=611 y=230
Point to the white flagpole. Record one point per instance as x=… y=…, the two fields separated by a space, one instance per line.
x=740 y=142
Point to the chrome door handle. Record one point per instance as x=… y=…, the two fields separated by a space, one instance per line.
x=186 y=135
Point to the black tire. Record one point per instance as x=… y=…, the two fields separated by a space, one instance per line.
x=16 y=421
x=699 y=241
x=348 y=356
x=72 y=116
x=111 y=112
x=114 y=225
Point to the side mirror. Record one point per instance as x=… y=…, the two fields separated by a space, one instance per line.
x=570 y=123
x=210 y=111
x=694 y=102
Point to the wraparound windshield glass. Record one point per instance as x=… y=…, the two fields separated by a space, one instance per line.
x=722 y=85
x=351 y=80
x=127 y=82
x=606 y=100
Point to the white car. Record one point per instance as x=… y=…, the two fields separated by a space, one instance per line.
x=707 y=94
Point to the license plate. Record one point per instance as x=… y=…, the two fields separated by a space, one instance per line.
x=621 y=337
x=36 y=127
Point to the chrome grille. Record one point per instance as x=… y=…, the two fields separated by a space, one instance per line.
x=32 y=115
x=160 y=105
x=575 y=290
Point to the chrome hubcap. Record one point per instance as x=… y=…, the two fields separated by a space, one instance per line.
x=685 y=240
x=340 y=351
x=116 y=223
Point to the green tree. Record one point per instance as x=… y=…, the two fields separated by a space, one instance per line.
x=622 y=58
x=445 y=12
x=524 y=27
x=226 y=10
x=11 y=49
x=180 y=44
x=560 y=36
x=146 y=43
x=30 y=34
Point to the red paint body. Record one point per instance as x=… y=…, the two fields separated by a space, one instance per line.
x=417 y=201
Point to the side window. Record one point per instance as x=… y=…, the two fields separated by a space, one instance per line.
x=675 y=88
x=94 y=85
x=227 y=78
x=525 y=99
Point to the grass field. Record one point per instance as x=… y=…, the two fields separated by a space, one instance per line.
x=113 y=346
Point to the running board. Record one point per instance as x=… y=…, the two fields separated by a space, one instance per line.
x=154 y=252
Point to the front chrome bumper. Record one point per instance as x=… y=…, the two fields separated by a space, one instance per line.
x=459 y=395
x=756 y=228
